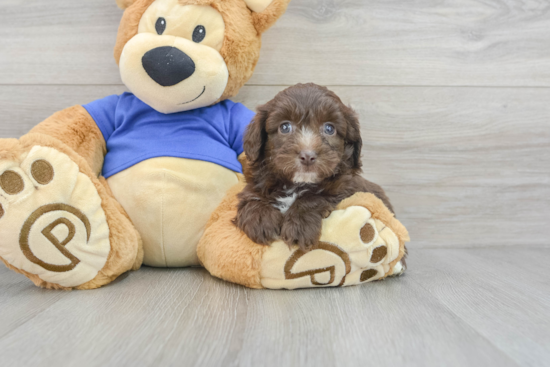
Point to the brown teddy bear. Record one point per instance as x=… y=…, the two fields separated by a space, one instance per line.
x=151 y=176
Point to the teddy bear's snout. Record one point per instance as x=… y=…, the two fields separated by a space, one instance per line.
x=167 y=65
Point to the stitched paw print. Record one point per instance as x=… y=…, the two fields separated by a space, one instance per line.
x=355 y=248
x=382 y=248
x=52 y=223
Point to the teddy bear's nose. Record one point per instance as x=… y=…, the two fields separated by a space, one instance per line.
x=168 y=66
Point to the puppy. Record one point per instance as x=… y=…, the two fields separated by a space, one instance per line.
x=304 y=154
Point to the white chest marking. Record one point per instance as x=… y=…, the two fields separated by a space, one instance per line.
x=285 y=202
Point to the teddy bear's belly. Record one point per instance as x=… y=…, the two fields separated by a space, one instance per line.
x=169 y=201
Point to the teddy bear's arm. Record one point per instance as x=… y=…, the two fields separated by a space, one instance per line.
x=77 y=129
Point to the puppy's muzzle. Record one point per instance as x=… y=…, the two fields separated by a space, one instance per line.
x=167 y=65
x=308 y=158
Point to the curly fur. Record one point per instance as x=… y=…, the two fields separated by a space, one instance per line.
x=285 y=197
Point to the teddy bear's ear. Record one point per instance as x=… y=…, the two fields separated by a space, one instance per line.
x=266 y=12
x=258 y=5
x=123 y=4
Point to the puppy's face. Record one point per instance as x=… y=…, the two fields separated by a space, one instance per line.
x=304 y=135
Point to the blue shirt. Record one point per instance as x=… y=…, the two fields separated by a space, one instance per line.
x=135 y=132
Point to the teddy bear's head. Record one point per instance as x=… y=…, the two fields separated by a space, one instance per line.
x=178 y=55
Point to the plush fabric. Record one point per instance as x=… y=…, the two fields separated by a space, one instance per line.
x=265 y=19
x=64 y=226
x=135 y=132
x=170 y=69
x=225 y=251
x=170 y=201
x=361 y=242
x=112 y=248
x=382 y=215
x=123 y=4
x=258 y=5
x=76 y=128
x=242 y=43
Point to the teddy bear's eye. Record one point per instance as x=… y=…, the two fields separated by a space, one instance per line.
x=160 y=26
x=199 y=33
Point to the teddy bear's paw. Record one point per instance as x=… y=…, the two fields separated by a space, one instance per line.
x=354 y=248
x=52 y=224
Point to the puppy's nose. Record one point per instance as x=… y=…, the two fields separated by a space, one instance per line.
x=167 y=65
x=308 y=157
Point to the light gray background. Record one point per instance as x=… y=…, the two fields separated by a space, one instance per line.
x=454 y=100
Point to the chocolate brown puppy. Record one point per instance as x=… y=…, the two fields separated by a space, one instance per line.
x=304 y=155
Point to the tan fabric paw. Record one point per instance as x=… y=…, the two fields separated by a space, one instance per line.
x=52 y=223
x=357 y=246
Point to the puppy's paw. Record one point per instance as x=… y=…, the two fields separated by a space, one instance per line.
x=260 y=223
x=304 y=232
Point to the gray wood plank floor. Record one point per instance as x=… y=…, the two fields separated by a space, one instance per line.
x=455 y=307
x=453 y=97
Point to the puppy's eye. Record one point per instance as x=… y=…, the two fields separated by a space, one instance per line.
x=285 y=128
x=199 y=33
x=160 y=26
x=329 y=129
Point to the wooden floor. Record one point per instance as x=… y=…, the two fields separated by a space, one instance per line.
x=454 y=101
x=455 y=307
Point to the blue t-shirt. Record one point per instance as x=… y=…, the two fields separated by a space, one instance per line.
x=135 y=132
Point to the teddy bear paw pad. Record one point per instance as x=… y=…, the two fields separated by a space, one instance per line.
x=354 y=248
x=52 y=223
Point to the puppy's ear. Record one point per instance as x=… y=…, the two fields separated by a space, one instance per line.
x=256 y=136
x=354 y=143
x=266 y=12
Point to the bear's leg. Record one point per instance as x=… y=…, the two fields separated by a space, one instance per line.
x=361 y=241
x=225 y=251
x=59 y=224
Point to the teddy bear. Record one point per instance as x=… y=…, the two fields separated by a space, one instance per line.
x=151 y=176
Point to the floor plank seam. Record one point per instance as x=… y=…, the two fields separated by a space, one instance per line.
x=465 y=322
x=39 y=313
